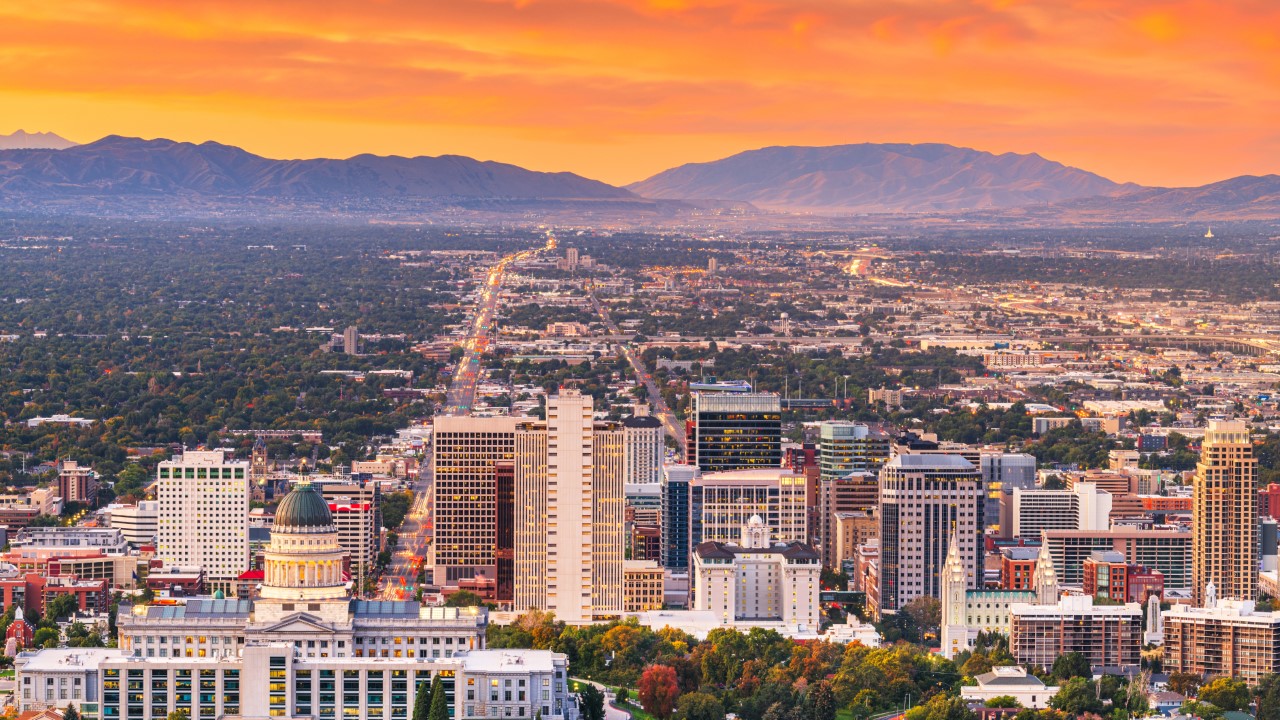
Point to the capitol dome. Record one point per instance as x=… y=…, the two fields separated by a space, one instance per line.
x=304 y=560
x=303 y=510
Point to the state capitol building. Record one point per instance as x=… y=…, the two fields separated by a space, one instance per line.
x=304 y=649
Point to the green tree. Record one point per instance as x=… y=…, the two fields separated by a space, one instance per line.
x=942 y=707
x=1072 y=665
x=699 y=706
x=592 y=702
x=1003 y=701
x=71 y=713
x=822 y=702
x=622 y=694
x=422 y=702
x=1184 y=683
x=1202 y=710
x=439 y=703
x=1269 y=698
x=1226 y=693
x=1076 y=697
x=178 y=715
x=463 y=598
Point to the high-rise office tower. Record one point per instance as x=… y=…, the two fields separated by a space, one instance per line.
x=645 y=443
x=351 y=340
x=463 y=494
x=204 y=515
x=569 y=512
x=721 y=504
x=735 y=431
x=924 y=500
x=845 y=447
x=504 y=550
x=1225 y=514
x=1004 y=472
x=675 y=516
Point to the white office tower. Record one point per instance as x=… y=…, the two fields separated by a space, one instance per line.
x=204 y=515
x=569 y=512
x=645 y=443
x=1083 y=507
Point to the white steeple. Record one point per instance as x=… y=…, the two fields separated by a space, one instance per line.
x=1210 y=595
x=1155 y=622
x=955 y=583
x=1045 y=578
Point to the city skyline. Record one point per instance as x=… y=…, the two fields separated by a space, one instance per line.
x=565 y=85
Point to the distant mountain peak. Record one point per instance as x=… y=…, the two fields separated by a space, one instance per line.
x=877 y=177
x=23 y=140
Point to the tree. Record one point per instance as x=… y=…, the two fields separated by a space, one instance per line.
x=1184 y=683
x=178 y=714
x=592 y=702
x=1076 y=697
x=699 y=706
x=942 y=707
x=1225 y=693
x=1003 y=701
x=1202 y=710
x=422 y=702
x=1269 y=698
x=70 y=713
x=657 y=690
x=463 y=598
x=622 y=694
x=1072 y=665
x=439 y=703
x=822 y=702
x=925 y=612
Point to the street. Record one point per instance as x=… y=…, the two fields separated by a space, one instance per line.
x=656 y=403
x=400 y=578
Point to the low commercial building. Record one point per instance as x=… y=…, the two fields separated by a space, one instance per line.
x=1108 y=576
x=1108 y=635
x=642 y=586
x=852 y=530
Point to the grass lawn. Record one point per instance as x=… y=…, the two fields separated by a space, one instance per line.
x=636 y=712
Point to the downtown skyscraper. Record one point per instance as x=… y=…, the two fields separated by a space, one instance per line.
x=1224 y=547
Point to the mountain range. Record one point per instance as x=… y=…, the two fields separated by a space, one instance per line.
x=116 y=166
x=837 y=180
x=23 y=140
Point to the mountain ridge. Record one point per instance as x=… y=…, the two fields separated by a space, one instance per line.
x=116 y=165
x=23 y=140
x=877 y=177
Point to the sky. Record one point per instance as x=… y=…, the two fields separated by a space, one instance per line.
x=1160 y=93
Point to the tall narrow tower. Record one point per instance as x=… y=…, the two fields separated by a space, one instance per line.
x=1225 y=514
x=955 y=583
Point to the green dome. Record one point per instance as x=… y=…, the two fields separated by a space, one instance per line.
x=303 y=508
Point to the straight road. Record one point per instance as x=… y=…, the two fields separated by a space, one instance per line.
x=410 y=553
x=462 y=390
x=659 y=406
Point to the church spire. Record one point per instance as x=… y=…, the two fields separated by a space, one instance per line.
x=1045 y=579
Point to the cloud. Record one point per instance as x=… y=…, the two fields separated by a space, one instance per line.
x=618 y=89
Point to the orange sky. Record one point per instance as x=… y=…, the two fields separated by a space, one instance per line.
x=1137 y=90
